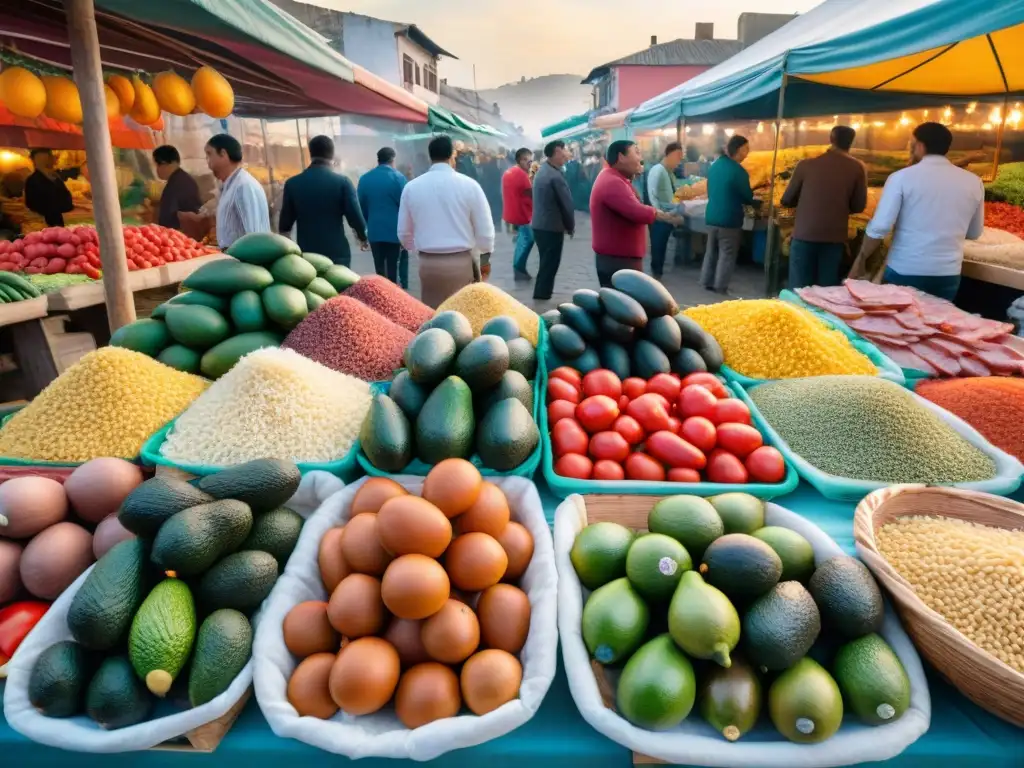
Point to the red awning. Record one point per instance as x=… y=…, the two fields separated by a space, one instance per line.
x=45 y=132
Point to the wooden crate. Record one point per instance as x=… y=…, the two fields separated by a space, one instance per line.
x=206 y=738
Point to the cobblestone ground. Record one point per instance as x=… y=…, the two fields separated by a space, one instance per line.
x=577 y=271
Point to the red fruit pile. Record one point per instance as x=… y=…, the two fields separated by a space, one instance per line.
x=76 y=251
x=666 y=428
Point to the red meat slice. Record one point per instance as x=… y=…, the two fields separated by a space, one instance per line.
x=844 y=311
x=974 y=367
x=879 y=324
x=1000 y=359
x=905 y=358
x=940 y=360
x=951 y=344
x=982 y=329
x=869 y=294
x=837 y=294
x=896 y=341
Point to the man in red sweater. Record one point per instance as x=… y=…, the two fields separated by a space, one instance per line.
x=618 y=219
x=517 y=209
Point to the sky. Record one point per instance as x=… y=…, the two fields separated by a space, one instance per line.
x=507 y=39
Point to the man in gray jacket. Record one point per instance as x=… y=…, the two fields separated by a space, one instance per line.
x=553 y=217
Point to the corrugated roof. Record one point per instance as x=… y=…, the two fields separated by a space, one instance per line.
x=681 y=52
x=419 y=37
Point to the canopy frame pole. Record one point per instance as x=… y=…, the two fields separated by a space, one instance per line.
x=679 y=129
x=270 y=171
x=771 y=266
x=999 y=137
x=88 y=73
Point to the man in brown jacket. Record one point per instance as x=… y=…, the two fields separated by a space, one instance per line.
x=825 y=191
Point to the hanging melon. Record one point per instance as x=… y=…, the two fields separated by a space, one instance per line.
x=213 y=92
x=22 y=92
x=146 y=109
x=122 y=86
x=113 y=103
x=62 y=101
x=174 y=93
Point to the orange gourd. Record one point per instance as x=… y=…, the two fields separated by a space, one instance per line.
x=22 y=92
x=122 y=86
x=174 y=94
x=146 y=109
x=62 y=100
x=213 y=92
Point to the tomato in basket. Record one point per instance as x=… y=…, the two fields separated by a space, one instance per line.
x=683 y=475
x=709 y=381
x=608 y=470
x=560 y=409
x=766 y=465
x=597 y=413
x=651 y=412
x=602 y=382
x=560 y=389
x=629 y=428
x=699 y=432
x=633 y=387
x=730 y=409
x=739 y=439
x=669 y=448
x=640 y=466
x=568 y=437
x=723 y=467
x=574 y=465
x=696 y=400
x=571 y=375
x=609 y=445
x=666 y=385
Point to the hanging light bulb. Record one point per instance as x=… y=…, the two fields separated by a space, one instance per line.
x=925 y=113
x=803 y=125
x=1015 y=117
x=904 y=120
x=760 y=127
x=947 y=112
x=856 y=126
x=971 y=107
x=729 y=132
x=995 y=116
x=707 y=129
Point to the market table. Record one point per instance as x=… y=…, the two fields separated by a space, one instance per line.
x=961 y=734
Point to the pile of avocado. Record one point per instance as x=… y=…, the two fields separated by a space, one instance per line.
x=206 y=554
x=711 y=608
x=634 y=328
x=457 y=397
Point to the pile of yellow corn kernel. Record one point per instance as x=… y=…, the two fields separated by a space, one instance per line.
x=772 y=339
x=107 y=404
x=970 y=574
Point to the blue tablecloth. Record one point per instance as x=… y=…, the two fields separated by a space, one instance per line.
x=961 y=734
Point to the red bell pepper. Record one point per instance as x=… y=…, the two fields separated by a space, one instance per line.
x=16 y=621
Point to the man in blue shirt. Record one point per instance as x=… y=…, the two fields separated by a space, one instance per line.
x=728 y=191
x=380 y=192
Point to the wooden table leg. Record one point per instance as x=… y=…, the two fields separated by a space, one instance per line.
x=34 y=356
x=93 y=320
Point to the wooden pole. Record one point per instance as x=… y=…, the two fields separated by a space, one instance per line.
x=771 y=258
x=88 y=71
x=999 y=137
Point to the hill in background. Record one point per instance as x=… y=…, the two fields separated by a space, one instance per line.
x=540 y=101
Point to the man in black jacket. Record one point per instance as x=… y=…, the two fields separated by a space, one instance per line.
x=45 y=192
x=319 y=201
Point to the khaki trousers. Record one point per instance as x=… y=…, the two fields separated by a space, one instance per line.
x=442 y=274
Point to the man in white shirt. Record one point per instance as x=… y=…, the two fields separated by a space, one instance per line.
x=444 y=216
x=933 y=206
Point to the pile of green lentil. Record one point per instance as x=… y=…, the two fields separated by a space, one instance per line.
x=867 y=428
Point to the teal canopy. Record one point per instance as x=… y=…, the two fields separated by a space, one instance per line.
x=565 y=125
x=441 y=119
x=859 y=56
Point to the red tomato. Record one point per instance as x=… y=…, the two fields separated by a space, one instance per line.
x=739 y=439
x=609 y=445
x=732 y=410
x=55 y=266
x=565 y=373
x=671 y=449
x=683 y=475
x=560 y=389
x=602 y=382
x=650 y=412
x=597 y=413
x=708 y=381
x=674 y=425
x=696 y=400
x=633 y=387
x=574 y=465
x=723 y=467
x=91 y=271
x=608 y=470
x=560 y=409
x=699 y=432
x=640 y=466
x=623 y=402
x=630 y=429
x=568 y=437
x=766 y=465
x=666 y=385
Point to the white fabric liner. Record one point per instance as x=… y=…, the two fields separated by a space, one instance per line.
x=694 y=742
x=382 y=734
x=80 y=733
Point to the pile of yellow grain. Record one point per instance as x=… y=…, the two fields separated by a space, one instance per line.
x=107 y=404
x=970 y=574
x=773 y=339
x=480 y=302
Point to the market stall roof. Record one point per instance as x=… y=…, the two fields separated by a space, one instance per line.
x=860 y=55
x=565 y=125
x=441 y=119
x=277 y=66
x=45 y=132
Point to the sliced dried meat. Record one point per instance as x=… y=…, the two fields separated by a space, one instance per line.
x=972 y=367
x=951 y=344
x=1000 y=359
x=912 y=321
x=982 y=329
x=845 y=311
x=882 y=324
x=942 y=361
x=870 y=294
x=896 y=341
x=837 y=294
x=905 y=358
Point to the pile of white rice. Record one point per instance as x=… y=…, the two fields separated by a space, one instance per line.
x=274 y=403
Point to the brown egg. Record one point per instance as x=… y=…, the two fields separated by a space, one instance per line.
x=475 y=561
x=97 y=487
x=415 y=587
x=426 y=693
x=452 y=634
x=453 y=486
x=361 y=546
x=504 y=614
x=404 y=634
x=373 y=493
x=307 y=630
x=356 y=608
x=409 y=525
x=489 y=513
x=489 y=679
x=309 y=690
x=518 y=545
x=364 y=677
x=54 y=558
x=333 y=567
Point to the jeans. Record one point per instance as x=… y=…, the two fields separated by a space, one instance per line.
x=661 y=231
x=524 y=244
x=549 y=249
x=814 y=263
x=391 y=260
x=943 y=286
x=720 y=257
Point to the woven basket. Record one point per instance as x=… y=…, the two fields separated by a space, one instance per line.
x=977 y=674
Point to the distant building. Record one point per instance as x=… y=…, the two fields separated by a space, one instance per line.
x=628 y=82
x=470 y=105
x=400 y=53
